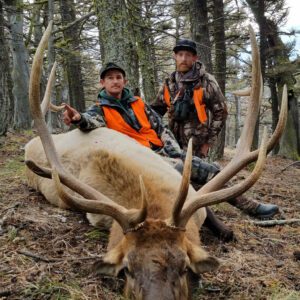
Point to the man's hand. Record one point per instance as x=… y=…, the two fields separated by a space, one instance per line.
x=204 y=149
x=70 y=114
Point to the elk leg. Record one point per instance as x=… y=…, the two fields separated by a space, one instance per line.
x=218 y=228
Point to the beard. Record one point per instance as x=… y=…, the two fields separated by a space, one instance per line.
x=183 y=68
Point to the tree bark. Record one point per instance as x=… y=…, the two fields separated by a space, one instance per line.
x=20 y=73
x=6 y=96
x=72 y=55
x=141 y=24
x=117 y=42
x=289 y=143
x=237 y=131
x=200 y=31
x=217 y=150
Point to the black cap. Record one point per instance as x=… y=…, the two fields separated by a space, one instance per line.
x=110 y=66
x=187 y=45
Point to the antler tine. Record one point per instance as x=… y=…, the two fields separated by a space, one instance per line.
x=228 y=193
x=46 y=100
x=126 y=218
x=254 y=101
x=280 y=124
x=46 y=103
x=243 y=156
x=184 y=186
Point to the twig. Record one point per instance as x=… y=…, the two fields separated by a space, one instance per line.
x=11 y=207
x=74 y=22
x=53 y=260
x=275 y=222
x=289 y=165
x=37 y=257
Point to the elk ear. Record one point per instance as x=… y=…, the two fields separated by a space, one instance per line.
x=112 y=263
x=101 y=267
x=200 y=261
x=207 y=264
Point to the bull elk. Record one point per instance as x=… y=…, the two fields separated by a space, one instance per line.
x=154 y=239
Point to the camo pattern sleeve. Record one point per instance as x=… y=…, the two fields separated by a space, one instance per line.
x=171 y=147
x=159 y=105
x=91 y=119
x=215 y=102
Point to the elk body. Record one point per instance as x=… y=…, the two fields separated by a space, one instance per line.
x=154 y=238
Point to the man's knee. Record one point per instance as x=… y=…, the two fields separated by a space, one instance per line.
x=202 y=171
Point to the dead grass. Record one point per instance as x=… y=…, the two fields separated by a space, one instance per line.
x=260 y=265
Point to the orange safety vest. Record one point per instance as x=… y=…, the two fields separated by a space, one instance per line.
x=144 y=136
x=198 y=101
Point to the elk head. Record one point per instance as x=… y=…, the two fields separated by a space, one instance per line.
x=156 y=255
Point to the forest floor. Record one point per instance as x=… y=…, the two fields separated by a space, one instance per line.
x=48 y=253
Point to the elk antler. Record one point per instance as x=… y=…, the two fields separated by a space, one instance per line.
x=126 y=218
x=207 y=195
x=184 y=186
x=46 y=103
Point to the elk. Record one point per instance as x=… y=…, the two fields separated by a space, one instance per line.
x=154 y=239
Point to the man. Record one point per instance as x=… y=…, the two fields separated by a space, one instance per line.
x=196 y=108
x=195 y=104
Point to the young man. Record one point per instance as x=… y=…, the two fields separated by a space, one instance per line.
x=196 y=108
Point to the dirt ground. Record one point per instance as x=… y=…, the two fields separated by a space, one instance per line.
x=48 y=253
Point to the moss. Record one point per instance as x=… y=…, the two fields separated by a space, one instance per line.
x=13 y=167
x=96 y=234
x=54 y=290
x=280 y=293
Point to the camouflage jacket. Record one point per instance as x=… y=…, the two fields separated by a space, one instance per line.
x=94 y=118
x=213 y=99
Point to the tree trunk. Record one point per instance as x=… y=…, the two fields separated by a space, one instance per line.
x=217 y=150
x=289 y=143
x=72 y=55
x=37 y=24
x=276 y=54
x=6 y=96
x=20 y=73
x=275 y=111
x=237 y=131
x=200 y=31
x=141 y=24
x=117 y=43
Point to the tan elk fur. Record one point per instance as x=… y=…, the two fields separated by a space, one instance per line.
x=111 y=163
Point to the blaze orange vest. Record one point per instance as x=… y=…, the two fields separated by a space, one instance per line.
x=144 y=136
x=198 y=101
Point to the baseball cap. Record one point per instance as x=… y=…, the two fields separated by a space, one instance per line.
x=185 y=44
x=110 y=66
